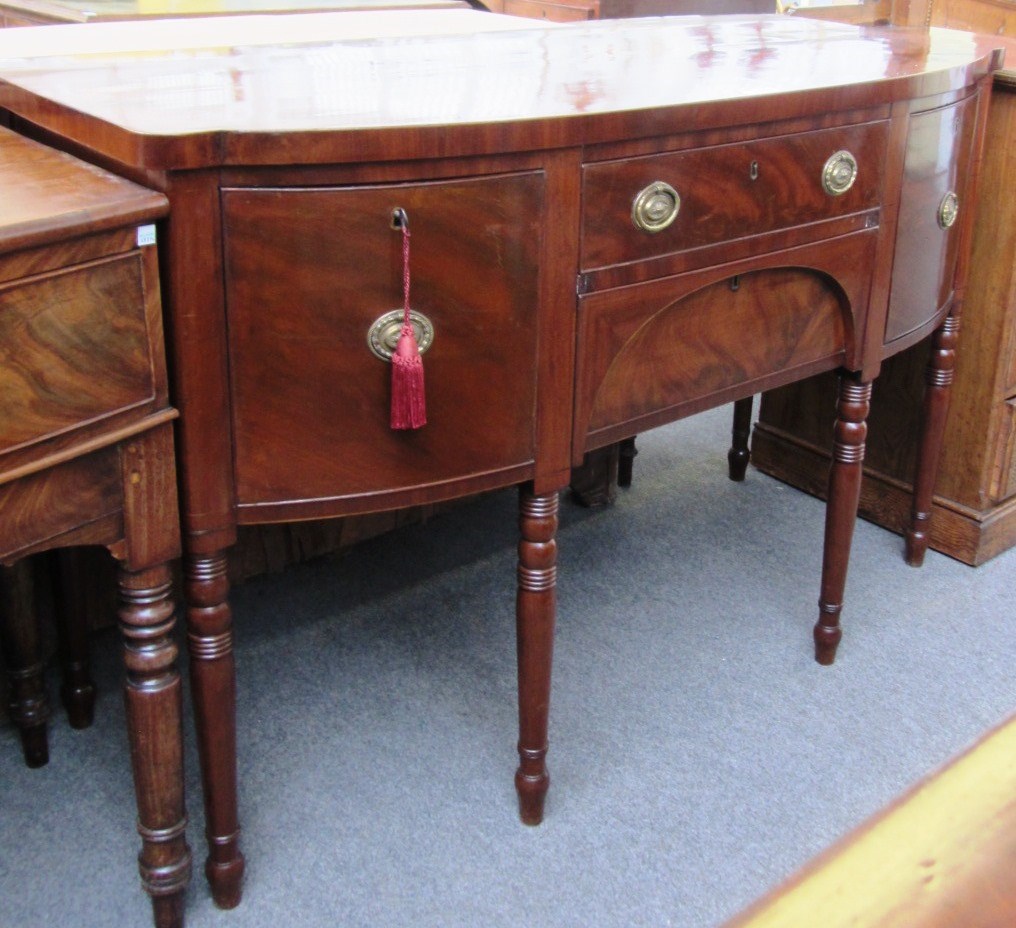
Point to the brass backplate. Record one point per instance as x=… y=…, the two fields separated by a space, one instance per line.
x=948 y=210
x=839 y=173
x=383 y=335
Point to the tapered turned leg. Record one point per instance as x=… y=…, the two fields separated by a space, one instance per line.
x=841 y=510
x=154 y=709
x=77 y=691
x=939 y=378
x=738 y=455
x=213 y=687
x=535 y=606
x=626 y=454
x=19 y=632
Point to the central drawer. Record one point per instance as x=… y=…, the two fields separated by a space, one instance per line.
x=728 y=192
x=309 y=270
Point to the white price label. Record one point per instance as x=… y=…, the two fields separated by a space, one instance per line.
x=146 y=235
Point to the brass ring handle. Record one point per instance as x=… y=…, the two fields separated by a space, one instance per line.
x=383 y=335
x=839 y=173
x=948 y=210
x=655 y=207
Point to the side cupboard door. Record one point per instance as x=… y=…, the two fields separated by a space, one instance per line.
x=308 y=273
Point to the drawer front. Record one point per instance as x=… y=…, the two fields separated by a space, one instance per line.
x=937 y=156
x=74 y=349
x=727 y=192
x=60 y=499
x=311 y=402
x=657 y=351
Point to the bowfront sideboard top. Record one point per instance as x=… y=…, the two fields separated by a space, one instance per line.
x=611 y=225
x=337 y=87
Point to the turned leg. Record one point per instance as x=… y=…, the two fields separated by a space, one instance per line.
x=626 y=453
x=738 y=455
x=154 y=709
x=841 y=510
x=29 y=708
x=939 y=378
x=534 y=610
x=77 y=691
x=213 y=687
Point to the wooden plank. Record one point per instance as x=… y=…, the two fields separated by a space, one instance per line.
x=942 y=856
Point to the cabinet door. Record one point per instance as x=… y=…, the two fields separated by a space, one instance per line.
x=937 y=159
x=308 y=270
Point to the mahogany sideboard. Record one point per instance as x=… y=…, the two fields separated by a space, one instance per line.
x=974 y=510
x=603 y=236
x=86 y=450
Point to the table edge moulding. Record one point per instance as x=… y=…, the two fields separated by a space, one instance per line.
x=604 y=237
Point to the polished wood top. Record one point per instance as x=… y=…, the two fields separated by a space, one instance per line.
x=314 y=88
x=941 y=857
x=47 y=196
x=93 y=11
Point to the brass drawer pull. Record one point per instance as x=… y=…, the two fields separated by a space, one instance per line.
x=655 y=207
x=383 y=336
x=839 y=173
x=948 y=210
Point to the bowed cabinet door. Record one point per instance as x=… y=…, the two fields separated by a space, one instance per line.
x=310 y=270
x=934 y=173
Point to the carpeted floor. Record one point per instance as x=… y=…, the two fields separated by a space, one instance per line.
x=698 y=754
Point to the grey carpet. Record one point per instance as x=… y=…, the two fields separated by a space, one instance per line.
x=698 y=754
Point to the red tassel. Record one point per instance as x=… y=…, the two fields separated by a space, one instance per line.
x=409 y=401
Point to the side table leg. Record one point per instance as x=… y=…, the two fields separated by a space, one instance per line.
x=626 y=454
x=213 y=688
x=841 y=510
x=153 y=698
x=939 y=378
x=738 y=455
x=19 y=633
x=77 y=691
x=534 y=610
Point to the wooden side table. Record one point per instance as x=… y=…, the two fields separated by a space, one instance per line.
x=86 y=445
